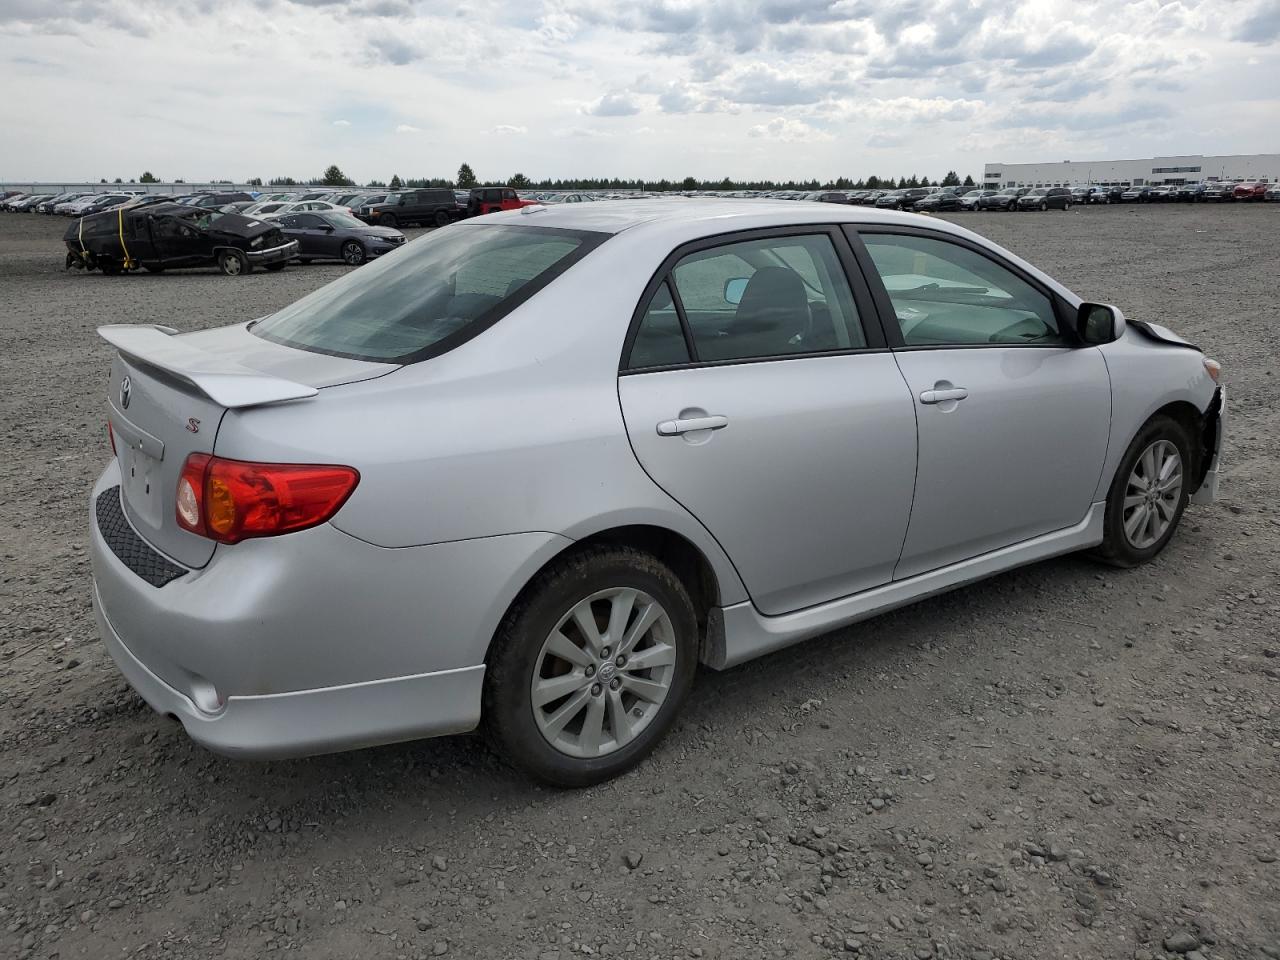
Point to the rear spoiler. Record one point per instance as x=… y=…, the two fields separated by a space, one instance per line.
x=223 y=381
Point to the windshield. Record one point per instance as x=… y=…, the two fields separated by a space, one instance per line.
x=200 y=216
x=431 y=295
x=391 y=198
x=342 y=220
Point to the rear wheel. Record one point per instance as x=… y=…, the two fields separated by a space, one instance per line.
x=1148 y=495
x=233 y=263
x=387 y=220
x=590 y=666
x=442 y=218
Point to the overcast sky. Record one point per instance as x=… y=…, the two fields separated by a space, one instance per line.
x=779 y=89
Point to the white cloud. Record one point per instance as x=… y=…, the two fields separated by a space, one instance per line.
x=787 y=131
x=504 y=128
x=406 y=128
x=342 y=123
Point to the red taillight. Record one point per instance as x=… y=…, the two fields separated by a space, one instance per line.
x=233 y=500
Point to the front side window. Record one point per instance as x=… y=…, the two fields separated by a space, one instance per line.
x=945 y=294
x=434 y=294
x=775 y=296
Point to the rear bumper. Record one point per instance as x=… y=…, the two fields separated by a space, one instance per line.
x=315 y=641
x=308 y=722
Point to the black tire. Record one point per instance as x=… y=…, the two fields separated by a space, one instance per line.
x=276 y=267
x=353 y=253
x=154 y=268
x=1066 y=206
x=508 y=711
x=1116 y=548
x=304 y=260
x=1044 y=205
x=233 y=263
x=387 y=220
x=442 y=218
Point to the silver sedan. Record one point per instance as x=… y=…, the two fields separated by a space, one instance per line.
x=530 y=470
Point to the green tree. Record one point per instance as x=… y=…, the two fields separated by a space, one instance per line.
x=519 y=181
x=689 y=183
x=375 y=183
x=118 y=180
x=952 y=179
x=253 y=182
x=968 y=181
x=283 y=182
x=334 y=177
x=148 y=177
x=395 y=182
x=466 y=177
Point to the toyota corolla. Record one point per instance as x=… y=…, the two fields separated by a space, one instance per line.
x=527 y=473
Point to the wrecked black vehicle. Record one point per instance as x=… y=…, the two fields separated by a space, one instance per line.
x=161 y=236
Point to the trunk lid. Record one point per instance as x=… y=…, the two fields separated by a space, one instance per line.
x=166 y=400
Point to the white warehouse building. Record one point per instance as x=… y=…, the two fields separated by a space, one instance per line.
x=1155 y=170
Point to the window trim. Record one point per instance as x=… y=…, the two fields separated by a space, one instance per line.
x=884 y=305
x=868 y=314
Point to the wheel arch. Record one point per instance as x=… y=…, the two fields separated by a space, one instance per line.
x=687 y=561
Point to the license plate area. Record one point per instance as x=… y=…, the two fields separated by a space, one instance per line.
x=140 y=479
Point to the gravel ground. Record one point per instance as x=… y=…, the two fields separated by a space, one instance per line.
x=1064 y=761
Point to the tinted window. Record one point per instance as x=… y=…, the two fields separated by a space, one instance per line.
x=768 y=297
x=339 y=220
x=435 y=293
x=946 y=294
x=659 y=339
x=293 y=220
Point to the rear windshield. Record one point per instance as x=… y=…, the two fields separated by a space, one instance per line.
x=430 y=295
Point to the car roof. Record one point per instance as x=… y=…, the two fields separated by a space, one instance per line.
x=709 y=216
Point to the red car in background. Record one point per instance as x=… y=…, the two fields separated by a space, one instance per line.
x=1250 y=191
x=492 y=199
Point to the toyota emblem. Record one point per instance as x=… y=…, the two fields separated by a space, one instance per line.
x=126 y=391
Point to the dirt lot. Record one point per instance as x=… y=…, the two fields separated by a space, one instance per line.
x=1065 y=761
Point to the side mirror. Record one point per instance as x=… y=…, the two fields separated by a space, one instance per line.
x=1098 y=323
x=327 y=229
x=734 y=289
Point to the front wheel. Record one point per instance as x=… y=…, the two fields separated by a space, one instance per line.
x=353 y=253
x=1148 y=495
x=442 y=218
x=1043 y=207
x=590 y=666
x=1066 y=206
x=233 y=263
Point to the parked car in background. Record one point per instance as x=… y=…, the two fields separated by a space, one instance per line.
x=29 y=202
x=832 y=197
x=108 y=201
x=483 y=200
x=302 y=206
x=1136 y=194
x=263 y=208
x=338 y=236
x=1257 y=190
x=383 y=529
x=1162 y=193
x=1273 y=192
x=312 y=195
x=158 y=237
x=430 y=206
x=1005 y=199
x=1189 y=192
x=215 y=200
x=239 y=206
x=1045 y=198
x=940 y=201
x=969 y=201
x=1081 y=195
x=1219 y=191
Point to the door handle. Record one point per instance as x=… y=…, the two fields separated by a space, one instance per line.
x=942 y=396
x=673 y=428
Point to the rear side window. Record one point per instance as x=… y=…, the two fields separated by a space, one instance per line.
x=431 y=295
x=659 y=339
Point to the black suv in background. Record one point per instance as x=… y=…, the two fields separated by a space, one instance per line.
x=431 y=207
x=1004 y=200
x=903 y=199
x=1043 y=198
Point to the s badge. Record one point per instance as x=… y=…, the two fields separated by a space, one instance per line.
x=192 y=424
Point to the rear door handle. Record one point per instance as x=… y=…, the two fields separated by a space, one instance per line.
x=673 y=428
x=942 y=396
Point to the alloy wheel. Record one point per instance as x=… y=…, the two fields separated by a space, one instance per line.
x=352 y=253
x=603 y=673
x=1152 y=494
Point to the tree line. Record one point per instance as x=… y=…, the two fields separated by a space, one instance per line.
x=466 y=178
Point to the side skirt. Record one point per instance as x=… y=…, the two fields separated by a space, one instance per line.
x=739 y=633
